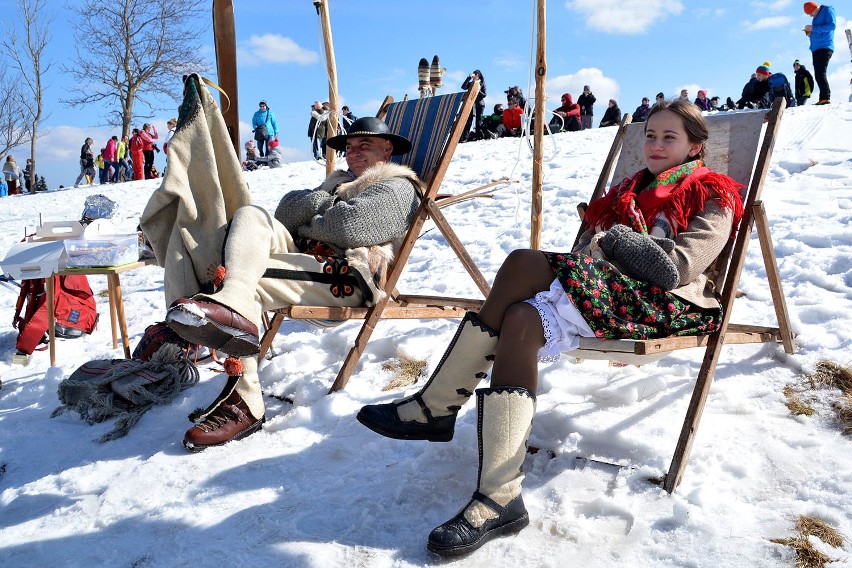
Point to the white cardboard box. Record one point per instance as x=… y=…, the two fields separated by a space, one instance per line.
x=35 y=259
x=43 y=254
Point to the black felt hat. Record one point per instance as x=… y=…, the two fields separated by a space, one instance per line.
x=370 y=126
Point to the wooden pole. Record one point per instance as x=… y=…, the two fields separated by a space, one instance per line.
x=225 y=39
x=331 y=66
x=538 y=130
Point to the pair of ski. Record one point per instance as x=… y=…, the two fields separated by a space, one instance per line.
x=430 y=77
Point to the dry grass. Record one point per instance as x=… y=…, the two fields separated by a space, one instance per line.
x=796 y=405
x=843 y=410
x=827 y=374
x=812 y=526
x=406 y=370
x=806 y=555
x=832 y=375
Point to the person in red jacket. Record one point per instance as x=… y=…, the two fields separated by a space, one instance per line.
x=570 y=113
x=147 y=135
x=136 y=156
x=511 y=120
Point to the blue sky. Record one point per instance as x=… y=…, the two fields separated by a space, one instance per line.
x=624 y=49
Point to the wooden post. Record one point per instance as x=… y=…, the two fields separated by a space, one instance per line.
x=225 y=40
x=538 y=132
x=331 y=67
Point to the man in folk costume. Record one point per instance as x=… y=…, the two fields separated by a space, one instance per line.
x=227 y=261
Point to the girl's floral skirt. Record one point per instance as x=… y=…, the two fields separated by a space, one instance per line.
x=614 y=306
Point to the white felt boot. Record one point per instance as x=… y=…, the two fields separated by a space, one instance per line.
x=496 y=508
x=430 y=414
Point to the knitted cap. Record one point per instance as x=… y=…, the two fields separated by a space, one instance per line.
x=702 y=92
x=262 y=103
x=810 y=7
x=796 y=62
x=660 y=95
x=762 y=70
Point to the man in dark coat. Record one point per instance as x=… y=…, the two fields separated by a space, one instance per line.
x=586 y=102
x=804 y=83
x=755 y=93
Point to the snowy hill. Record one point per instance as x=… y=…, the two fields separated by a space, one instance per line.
x=315 y=488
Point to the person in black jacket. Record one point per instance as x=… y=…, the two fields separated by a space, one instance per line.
x=87 y=163
x=756 y=91
x=641 y=112
x=586 y=102
x=479 y=105
x=491 y=122
x=612 y=116
x=804 y=83
x=347 y=117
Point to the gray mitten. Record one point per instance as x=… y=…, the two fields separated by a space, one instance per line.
x=664 y=243
x=641 y=257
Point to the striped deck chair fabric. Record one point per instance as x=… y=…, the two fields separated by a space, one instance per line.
x=427 y=123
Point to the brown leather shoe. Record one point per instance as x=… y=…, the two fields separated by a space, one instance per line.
x=231 y=420
x=213 y=325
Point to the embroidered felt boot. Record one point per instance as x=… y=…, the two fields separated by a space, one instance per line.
x=430 y=414
x=232 y=415
x=228 y=318
x=503 y=426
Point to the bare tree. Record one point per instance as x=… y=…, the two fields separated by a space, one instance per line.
x=27 y=59
x=13 y=114
x=130 y=51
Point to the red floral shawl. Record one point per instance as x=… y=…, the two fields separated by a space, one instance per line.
x=679 y=193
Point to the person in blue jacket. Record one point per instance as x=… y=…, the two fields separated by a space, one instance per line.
x=821 y=32
x=264 y=126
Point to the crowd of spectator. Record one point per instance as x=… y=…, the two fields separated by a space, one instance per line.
x=762 y=88
x=759 y=92
x=132 y=157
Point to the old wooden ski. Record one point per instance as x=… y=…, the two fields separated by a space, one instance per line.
x=225 y=39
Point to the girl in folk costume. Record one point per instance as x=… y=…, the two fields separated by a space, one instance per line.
x=637 y=272
x=137 y=156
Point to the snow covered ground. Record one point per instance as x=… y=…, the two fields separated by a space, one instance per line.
x=315 y=488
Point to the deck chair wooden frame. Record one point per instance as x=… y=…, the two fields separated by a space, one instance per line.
x=395 y=305
x=728 y=269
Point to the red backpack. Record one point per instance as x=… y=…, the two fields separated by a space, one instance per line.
x=74 y=306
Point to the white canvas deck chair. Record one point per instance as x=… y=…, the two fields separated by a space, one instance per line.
x=434 y=126
x=735 y=149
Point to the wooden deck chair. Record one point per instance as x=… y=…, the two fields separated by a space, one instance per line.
x=434 y=126
x=735 y=149
x=405 y=119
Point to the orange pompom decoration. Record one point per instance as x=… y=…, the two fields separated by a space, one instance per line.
x=233 y=367
x=219 y=276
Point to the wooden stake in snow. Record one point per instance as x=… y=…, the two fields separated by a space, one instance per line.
x=538 y=132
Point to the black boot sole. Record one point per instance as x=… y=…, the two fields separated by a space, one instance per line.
x=512 y=527
x=379 y=428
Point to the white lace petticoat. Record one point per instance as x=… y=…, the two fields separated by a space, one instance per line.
x=562 y=322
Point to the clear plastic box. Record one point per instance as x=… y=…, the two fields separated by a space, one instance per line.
x=106 y=250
